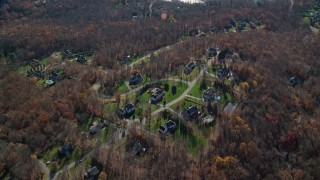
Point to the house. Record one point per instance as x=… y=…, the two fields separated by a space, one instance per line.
x=230 y=109
x=256 y=22
x=208 y=95
x=193 y=32
x=157 y=96
x=66 y=53
x=53 y=76
x=65 y=151
x=81 y=59
x=38 y=74
x=92 y=173
x=224 y=72
x=139 y=148
x=208 y=119
x=3 y=119
x=213 y=52
x=224 y=55
x=35 y=62
x=230 y=24
x=125 y=59
x=169 y=126
x=191 y=113
x=189 y=67
x=96 y=128
x=293 y=81
x=135 y=79
x=127 y=111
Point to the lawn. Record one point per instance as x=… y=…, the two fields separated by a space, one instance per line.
x=194 y=141
x=197 y=91
x=106 y=133
x=122 y=88
x=181 y=87
x=156 y=123
x=212 y=70
x=185 y=103
x=110 y=108
x=168 y=97
x=179 y=74
x=60 y=163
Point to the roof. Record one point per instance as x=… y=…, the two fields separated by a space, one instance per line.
x=208 y=95
x=192 y=110
x=129 y=106
x=93 y=171
x=191 y=65
x=136 y=77
x=3 y=118
x=208 y=119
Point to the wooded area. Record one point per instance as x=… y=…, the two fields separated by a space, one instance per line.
x=275 y=134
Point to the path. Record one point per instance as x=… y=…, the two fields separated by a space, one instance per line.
x=184 y=94
x=45 y=170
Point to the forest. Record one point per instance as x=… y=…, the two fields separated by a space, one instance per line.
x=274 y=133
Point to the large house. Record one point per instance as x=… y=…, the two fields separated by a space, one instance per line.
x=81 y=59
x=92 y=173
x=189 y=67
x=156 y=96
x=135 y=79
x=224 y=72
x=97 y=127
x=293 y=81
x=191 y=113
x=208 y=95
x=65 y=151
x=213 y=52
x=168 y=127
x=127 y=111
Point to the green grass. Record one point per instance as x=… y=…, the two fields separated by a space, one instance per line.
x=50 y=153
x=227 y=82
x=110 y=108
x=122 y=88
x=196 y=91
x=186 y=77
x=156 y=123
x=194 y=141
x=23 y=69
x=184 y=104
x=181 y=87
x=212 y=70
x=106 y=133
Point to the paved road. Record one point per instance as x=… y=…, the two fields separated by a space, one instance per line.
x=131 y=91
x=45 y=169
x=184 y=94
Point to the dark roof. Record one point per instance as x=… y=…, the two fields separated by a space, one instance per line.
x=65 y=150
x=170 y=124
x=80 y=58
x=191 y=65
x=223 y=72
x=128 y=107
x=135 y=79
x=3 y=118
x=193 y=32
x=293 y=81
x=191 y=111
x=92 y=172
x=224 y=54
x=208 y=95
x=213 y=50
x=163 y=129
